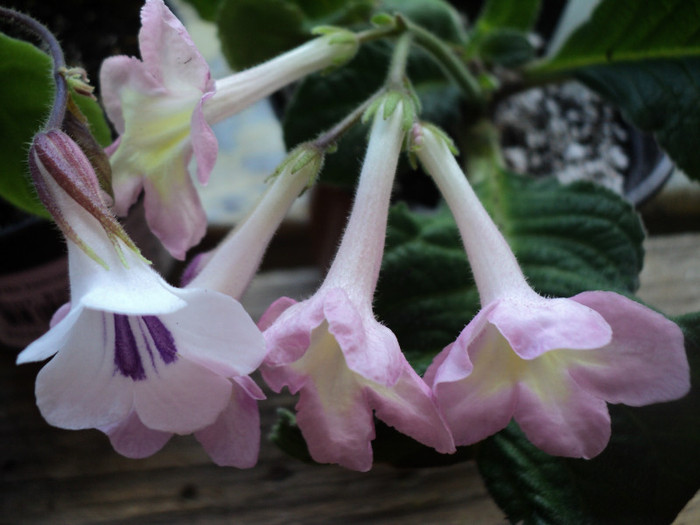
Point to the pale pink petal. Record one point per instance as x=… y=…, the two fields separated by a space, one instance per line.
x=60 y=314
x=533 y=327
x=289 y=336
x=173 y=209
x=234 y=438
x=645 y=362
x=481 y=403
x=181 y=397
x=79 y=387
x=337 y=430
x=118 y=73
x=131 y=438
x=332 y=412
x=453 y=363
x=215 y=331
x=204 y=142
x=409 y=407
x=576 y=424
x=168 y=51
x=370 y=349
x=274 y=311
x=126 y=190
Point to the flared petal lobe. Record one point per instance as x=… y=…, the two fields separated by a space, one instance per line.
x=558 y=397
x=156 y=106
x=337 y=400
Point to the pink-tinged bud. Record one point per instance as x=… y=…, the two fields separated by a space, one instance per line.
x=65 y=181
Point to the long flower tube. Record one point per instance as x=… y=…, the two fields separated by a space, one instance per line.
x=549 y=363
x=130 y=354
x=230 y=267
x=330 y=348
x=163 y=107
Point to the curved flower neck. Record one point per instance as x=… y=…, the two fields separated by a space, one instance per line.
x=232 y=265
x=358 y=260
x=244 y=88
x=494 y=266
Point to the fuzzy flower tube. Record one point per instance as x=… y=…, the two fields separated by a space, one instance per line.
x=331 y=349
x=549 y=363
x=231 y=266
x=130 y=354
x=163 y=107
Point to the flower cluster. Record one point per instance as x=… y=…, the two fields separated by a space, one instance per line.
x=142 y=360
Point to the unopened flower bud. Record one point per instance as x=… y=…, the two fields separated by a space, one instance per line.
x=66 y=184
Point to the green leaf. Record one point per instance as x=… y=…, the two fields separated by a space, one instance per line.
x=437 y=16
x=500 y=33
x=528 y=484
x=567 y=238
x=206 y=9
x=507 y=47
x=321 y=100
x=643 y=57
x=649 y=470
x=426 y=293
x=252 y=31
x=498 y=14
x=287 y=436
x=26 y=93
x=96 y=119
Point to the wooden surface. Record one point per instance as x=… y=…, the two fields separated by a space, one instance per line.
x=49 y=475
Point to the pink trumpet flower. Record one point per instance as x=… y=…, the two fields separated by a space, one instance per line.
x=549 y=363
x=163 y=107
x=332 y=350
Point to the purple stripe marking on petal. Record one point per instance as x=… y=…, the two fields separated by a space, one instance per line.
x=163 y=339
x=126 y=350
x=147 y=343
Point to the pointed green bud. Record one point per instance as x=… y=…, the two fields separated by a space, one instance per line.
x=390 y=101
x=304 y=157
x=345 y=42
x=383 y=20
x=77 y=80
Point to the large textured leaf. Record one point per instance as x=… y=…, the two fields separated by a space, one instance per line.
x=649 y=470
x=567 y=238
x=645 y=58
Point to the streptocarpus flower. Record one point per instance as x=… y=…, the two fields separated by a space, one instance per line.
x=131 y=352
x=331 y=349
x=549 y=363
x=163 y=107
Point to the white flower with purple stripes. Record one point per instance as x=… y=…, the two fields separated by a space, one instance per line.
x=131 y=355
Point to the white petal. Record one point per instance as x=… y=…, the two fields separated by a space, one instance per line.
x=49 y=343
x=216 y=332
x=136 y=289
x=79 y=388
x=182 y=397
